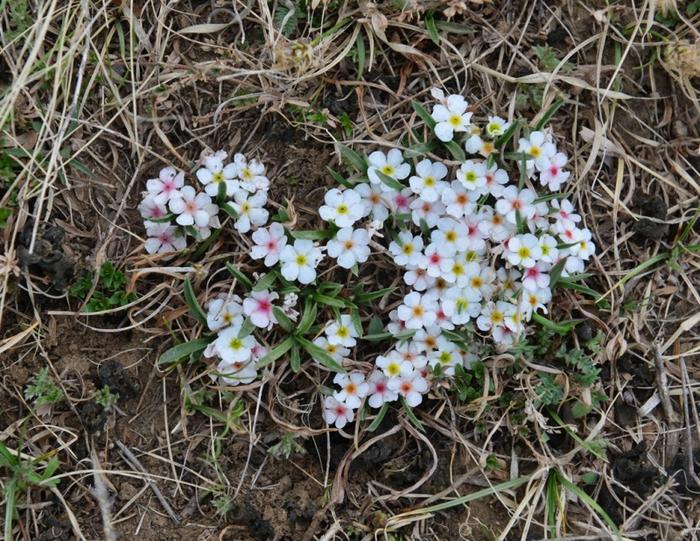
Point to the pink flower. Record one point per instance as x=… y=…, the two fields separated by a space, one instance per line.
x=259 y=308
x=535 y=278
x=151 y=209
x=269 y=242
x=192 y=208
x=412 y=387
x=379 y=391
x=336 y=413
x=164 y=238
x=166 y=187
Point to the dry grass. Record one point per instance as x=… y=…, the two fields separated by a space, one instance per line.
x=95 y=96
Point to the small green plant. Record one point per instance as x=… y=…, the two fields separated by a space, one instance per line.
x=222 y=503
x=42 y=390
x=21 y=474
x=106 y=398
x=108 y=294
x=287 y=446
x=547 y=59
x=549 y=391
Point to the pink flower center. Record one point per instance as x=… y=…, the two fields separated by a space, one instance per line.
x=339 y=411
x=533 y=272
x=554 y=170
x=435 y=258
x=168 y=186
x=190 y=207
x=264 y=306
x=380 y=387
x=271 y=244
x=401 y=201
x=517 y=204
x=165 y=237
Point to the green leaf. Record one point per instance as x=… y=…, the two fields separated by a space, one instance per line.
x=295 y=359
x=375 y=325
x=360 y=47
x=276 y=352
x=559 y=328
x=504 y=139
x=411 y=416
x=321 y=234
x=333 y=301
x=10 y=498
x=590 y=502
x=389 y=181
x=377 y=337
x=238 y=275
x=379 y=418
x=308 y=317
x=369 y=296
x=556 y=105
x=265 y=282
x=177 y=353
x=191 y=300
x=555 y=273
x=246 y=329
x=339 y=178
x=319 y=354
x=431 y=27
x=456 y=151
x=357 y=322
x=228 y=209
x=423 y=114
x=353 y=158
x=282 y=319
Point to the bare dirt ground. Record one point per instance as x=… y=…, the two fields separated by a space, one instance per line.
x=96 y=97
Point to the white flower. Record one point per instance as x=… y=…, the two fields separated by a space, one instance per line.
x=494 y=315
x=336 y=351
x=457 y=271
x=349 y=247
x=451 y=236
x=236 y=372
x=495 y=226
x=379 y=392
x=565 y=213
x=214 y=174
x=472 y=175
x=538 y=146
x=508 y=281
x=513 y=201
x=342 y=332
x=336 y=413
x=412 y=387
x=151 y=209
x=426 y=339
x=224 y=312
x=446 y=355
x=427 y=182
x=417 y=311
x=451 y=117
x=475 y=238
x=258 y=307
x=584 y=247
x=532 y=301
x=496 y=126
x=391 y=164
x=548 y=249
x=394 y=365
x=552 y=172
x=496 y=179
x=461 y=304
x=164 y=238
x=231 y=348
x=167 y=186
x=400 y=202
x=426 y=211
x=300 y=260
x=353 y=388
x=374 y=201
x=476 y=145
x=251 y=173
x=250 y=209
x=458 y=201
x=407 y=249
x=344 y=208
x=269 y=243
x=192 y=208
x=418 y=277
x=535 y=277
x=524 y=250
x=435 y=254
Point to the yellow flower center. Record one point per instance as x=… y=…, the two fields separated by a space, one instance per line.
x=342 y=209
x=496 y=317
x=217 y=177
x=455 y=120
x=524 y=252
x=301 y=259
x=536 y=152
x=451 y=236
x=429 y=182
x=235 y=344
x=343 y=332
x=393 y=369
x=388 y=170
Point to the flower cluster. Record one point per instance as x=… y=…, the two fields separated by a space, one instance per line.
x=240 y=186
x=478 y=246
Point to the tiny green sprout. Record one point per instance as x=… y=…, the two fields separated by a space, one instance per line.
x=43 y=391
x=106 y=398
x=222 y=503
x=287 y=446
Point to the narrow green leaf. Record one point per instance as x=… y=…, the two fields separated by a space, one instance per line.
x=10 y=498
x=504 y=139
x=379 y=418
x=191 y=300
x=559 y=328
x=389 y=181
x=377 y=337
x=333 y=301
x=319 y=354
x=456 y=150
x=321 y=234
x=556 y=105
x=295 y=359
x=431 y=27
x=369 y=296
x=361 y=54
x=423 y=114
x=238 y=275
x=555 y=273
x=265 y=282
x=411 y=416
x=228 y=209
x=177 y=353
x=282 y=319
x=357 y=322
x=419 y=149
x=280 y=349
x=353 y=158
x=591 y=503
x=339 y=178
x=308 y=317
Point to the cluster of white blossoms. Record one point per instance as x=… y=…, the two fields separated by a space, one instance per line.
x=173 y=210
x=477 y=243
